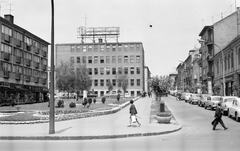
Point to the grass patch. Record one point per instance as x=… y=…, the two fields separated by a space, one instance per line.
x=20 y=117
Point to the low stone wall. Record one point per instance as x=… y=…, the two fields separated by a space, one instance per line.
x=63 y=117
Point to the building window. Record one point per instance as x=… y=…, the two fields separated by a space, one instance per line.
x=107 y=71
x=125 y=47
x=96 y=71
x=71 y=59
x=119 y=59
x=131 y=47
x=132 y=70
x=72 y=48
x=119 y=70
x=102 y=48
x=138 y=47
x=28 y=56
x=113 y=71
x=90 y=71
x=114 y=82
x=138 y=59
x=95 y=48
x=78 y=60
x=232 y=60
x=138 y=82
x=107 y=59
x=17 y=69
x=138 y=70
x=6 y=48
x=101 y=71
x=217 y=65
x=78 y=48
x=6 y=30
x=131 y=59
x=84 y=48
x=125 y=70
x=102 y=82
x=239 y=55
x=6 y=66
x=132 y=82
x=95 y=59
x=125 y=59
x=17 y=35
x=96 y=82
x=84 y=59
x=229 y=60
x=101 y=59
x=119 y=47
x=89 y=48
x=89 y=59
x=113 y=59
x=113 y=47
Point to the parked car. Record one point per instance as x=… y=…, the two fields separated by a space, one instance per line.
x=212 y=102
x=234 y=109
x=226 y=101
x=203 y=99
x=194 y=98
x=182 y=97
x=187 y=97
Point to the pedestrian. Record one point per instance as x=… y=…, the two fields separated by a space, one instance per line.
x=118 y=97
x=133 y=112
x=218 y=117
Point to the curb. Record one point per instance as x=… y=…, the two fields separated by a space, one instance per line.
x=86 y=137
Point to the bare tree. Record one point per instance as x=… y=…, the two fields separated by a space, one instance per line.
x=122 y=82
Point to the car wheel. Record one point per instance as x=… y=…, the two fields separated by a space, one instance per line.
x=236 y=117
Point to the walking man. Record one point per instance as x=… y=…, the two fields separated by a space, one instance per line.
x=133 y=112
x=218 y=118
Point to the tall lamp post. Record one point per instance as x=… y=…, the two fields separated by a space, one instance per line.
x=223 y=66
x=51 y=115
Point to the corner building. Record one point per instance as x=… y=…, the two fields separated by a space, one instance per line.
x=106 y=60
x=23 y=65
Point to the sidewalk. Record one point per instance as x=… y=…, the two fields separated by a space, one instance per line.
x=100 y=127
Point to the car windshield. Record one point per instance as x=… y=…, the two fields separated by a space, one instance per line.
x=229 y=99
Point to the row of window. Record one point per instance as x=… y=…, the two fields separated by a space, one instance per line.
x=22 y=70
x=106 y=59
x=132 y=93
x=228 y=61
x=104 y=47
x=113 y=70
x=102 y=82
x=19 y=36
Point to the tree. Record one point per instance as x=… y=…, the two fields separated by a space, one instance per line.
x=82 y=80
x=109 y=85
x=217 y=89
x=160 y=84
x=65 y=78
x=122 y=82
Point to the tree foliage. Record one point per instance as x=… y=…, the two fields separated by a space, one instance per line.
x=82 y=79
x=122 y=82
x=109 y=85
x=160 y=84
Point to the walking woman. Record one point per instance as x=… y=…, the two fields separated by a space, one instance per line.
x=133 y=112
x=218 y=118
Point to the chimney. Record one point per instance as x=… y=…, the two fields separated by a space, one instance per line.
x=9 y=18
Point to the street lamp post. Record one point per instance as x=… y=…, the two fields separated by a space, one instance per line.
x=223 y=66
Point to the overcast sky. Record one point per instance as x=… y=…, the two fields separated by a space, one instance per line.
x=176 y=24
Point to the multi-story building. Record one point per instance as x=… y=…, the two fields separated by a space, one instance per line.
x=23 y=64
x=147 y=76
x=105 y=61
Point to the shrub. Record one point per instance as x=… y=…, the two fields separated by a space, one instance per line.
x=103 y=100
x=89 y=100
x=72 y=105
x=60 y=103
x=85 y=101
x=164 y=114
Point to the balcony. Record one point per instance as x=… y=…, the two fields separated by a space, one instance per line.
x=44 y=53
x=27 y=62
x=44 y=67
x=36 y=64
x=6 y=74
x=36 y=50
x=28 y=47
x=44 y=81
x=210 y=74
x=17 y=76
x=18 y=43
x=6 y=56
x=36 y=79
x=27 y=78
x=7 y=38
x=18 y=59
x=209 y=57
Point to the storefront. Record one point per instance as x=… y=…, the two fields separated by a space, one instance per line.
x=11 y=93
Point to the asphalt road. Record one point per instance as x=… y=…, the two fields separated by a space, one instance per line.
x=196 y=135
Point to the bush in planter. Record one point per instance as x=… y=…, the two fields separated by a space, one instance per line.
x=164 y=117
x=103 y=100
x=164 y=114
x=60 y=103
x=72 y=105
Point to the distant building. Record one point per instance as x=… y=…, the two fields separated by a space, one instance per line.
x=23 y=64
x=105 y=61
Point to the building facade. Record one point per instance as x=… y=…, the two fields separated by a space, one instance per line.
x=105 y=61
x=23 y=65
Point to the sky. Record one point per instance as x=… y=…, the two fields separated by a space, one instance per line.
x=176 y=24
